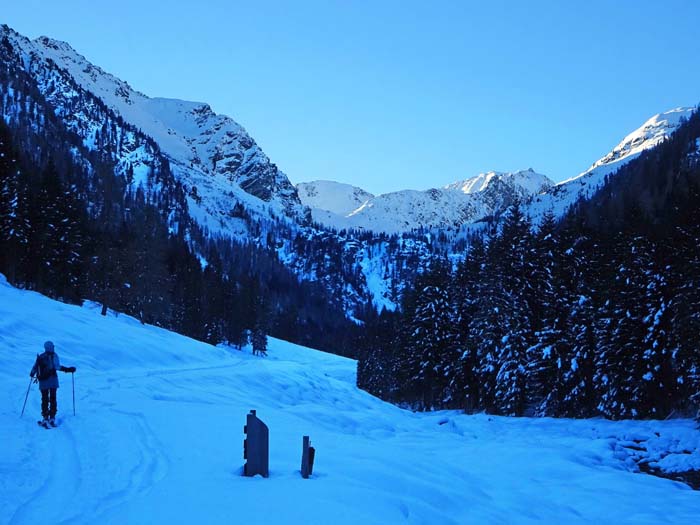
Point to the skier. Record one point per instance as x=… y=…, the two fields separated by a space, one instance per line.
x=44 y=370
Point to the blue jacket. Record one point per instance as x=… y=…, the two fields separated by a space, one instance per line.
x=54 y=364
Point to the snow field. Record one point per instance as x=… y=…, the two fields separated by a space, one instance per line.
x=159 y=429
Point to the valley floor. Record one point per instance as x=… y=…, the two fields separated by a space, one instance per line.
x=159 y=429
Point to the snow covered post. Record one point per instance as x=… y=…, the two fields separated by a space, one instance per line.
x=307 y=458
x=256 y=447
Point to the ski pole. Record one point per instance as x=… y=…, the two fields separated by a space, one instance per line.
x=72 y=377
x=31 y=380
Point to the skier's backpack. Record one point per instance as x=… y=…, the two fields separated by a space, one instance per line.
x=44 y=367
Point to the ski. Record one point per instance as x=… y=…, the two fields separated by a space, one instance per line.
x=43 y=424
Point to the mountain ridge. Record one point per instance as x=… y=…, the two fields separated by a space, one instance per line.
x=565 y=194
x=216 y=159
x=451 y=206
x=405 y=210
x=220 y=165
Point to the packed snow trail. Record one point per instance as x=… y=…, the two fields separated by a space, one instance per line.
x=159 y=428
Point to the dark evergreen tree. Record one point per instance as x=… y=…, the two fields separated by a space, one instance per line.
x=515 y=313
x=14 y=209
x=432 y=346
x=464 y=293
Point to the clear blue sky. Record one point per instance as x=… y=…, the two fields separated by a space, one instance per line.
x=389 y=95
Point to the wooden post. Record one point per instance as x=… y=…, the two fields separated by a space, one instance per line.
x=256 y=447
x=307 y=458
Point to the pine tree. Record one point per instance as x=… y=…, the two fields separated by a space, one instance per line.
x=548 y=297
x=258 y=341
x=619 y=364
x=486 y=329
x=464 y=293
x=432 y=342
x=516 y=313
x=14 y=223
x=682 y=262
x=47 y=246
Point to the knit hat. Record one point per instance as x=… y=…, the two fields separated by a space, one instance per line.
x=48 y=346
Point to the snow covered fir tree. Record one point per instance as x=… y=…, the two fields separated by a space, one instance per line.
x=460 y=340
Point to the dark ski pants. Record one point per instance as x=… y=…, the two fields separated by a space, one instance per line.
x=48 y=403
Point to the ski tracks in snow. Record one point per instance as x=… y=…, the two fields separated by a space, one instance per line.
x=132 y=466
x=149 y=467
x=94 y=464
x=61 y=485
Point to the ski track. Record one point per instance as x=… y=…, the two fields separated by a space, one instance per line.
x=151 y=467
x=173 y=371
x=64 y=483
x=61 y=484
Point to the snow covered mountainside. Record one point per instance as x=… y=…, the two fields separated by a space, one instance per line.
x=487 y=194
x=562 y=196
x=334 y=197
x=158 y=438
x=213 y=156
x=452 y=206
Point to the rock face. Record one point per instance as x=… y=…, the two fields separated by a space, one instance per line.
x=450 y=207
x=212 y=155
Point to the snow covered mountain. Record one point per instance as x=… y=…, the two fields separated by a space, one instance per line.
x=331 y=196
x=192 y=166
x=215 y=159
x=157 y=437
x=468 y=201
x=559 y=198
x=452 y=206
x=331 y=201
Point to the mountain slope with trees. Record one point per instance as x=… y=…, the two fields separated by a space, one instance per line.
x=596 y=314
x=77 y=221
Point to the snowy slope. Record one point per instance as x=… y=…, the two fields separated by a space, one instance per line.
x=331 y=196
x=158 y=439
x=208 y=152
x=559 y=198
x=452 y=206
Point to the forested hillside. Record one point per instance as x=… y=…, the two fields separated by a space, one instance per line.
x=74 y=226
x=597 y=314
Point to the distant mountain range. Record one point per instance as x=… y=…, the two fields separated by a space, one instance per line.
x=220 y=165
x=342 y=206
x=452 y=206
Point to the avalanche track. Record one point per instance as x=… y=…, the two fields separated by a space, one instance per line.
x=157 y=438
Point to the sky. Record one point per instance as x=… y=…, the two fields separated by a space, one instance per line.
x=390 y=95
